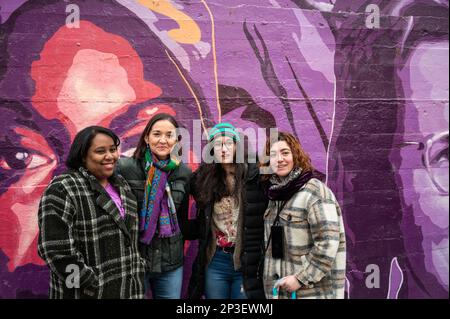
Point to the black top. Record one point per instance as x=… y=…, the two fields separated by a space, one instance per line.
x=255 y=205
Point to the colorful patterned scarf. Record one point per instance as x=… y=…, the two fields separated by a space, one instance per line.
x=158 y=214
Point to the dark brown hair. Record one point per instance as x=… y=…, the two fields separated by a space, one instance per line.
x=209 y=184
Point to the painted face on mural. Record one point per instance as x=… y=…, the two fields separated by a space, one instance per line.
x=73 y=78
x=424 y=168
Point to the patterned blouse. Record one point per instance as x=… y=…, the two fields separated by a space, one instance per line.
x=225 y=217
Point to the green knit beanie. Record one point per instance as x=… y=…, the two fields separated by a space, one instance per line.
x=224 y=129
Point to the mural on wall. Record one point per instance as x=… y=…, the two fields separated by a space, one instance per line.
x=363 y=84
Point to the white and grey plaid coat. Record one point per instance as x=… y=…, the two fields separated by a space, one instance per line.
x=91 y=250
x=314 y=244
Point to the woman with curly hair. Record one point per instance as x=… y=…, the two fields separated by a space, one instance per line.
x=304 y=232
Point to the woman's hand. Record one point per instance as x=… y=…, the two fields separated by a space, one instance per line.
x=289 y=283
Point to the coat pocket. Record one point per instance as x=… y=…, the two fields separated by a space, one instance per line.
x=175 y=250
x=93 y=291
x=293 y=218
x=298 y=237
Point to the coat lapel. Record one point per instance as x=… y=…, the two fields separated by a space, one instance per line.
x=129 y=204
x=104 y=201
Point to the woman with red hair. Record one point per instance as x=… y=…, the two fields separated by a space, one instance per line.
x=304 y=231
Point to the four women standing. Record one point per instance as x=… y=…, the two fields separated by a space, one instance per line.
x=106 y=228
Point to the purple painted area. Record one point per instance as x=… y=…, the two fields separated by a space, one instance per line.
x=7 y=7
x=353 y=95
x=396 y=280
x=26 y=282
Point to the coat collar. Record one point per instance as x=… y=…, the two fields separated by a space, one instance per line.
x=104 y=200
x=252 y=171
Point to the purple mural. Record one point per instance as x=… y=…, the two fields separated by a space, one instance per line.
x=363 y=84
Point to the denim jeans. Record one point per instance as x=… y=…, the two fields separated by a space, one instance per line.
x=221 y=280
x=165 y=285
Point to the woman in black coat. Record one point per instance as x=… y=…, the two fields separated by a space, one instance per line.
x=230 y=206
x=161 y=184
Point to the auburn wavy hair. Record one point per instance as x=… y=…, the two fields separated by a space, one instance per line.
x=300 y=157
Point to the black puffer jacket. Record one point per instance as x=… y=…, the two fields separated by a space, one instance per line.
x=255 y=205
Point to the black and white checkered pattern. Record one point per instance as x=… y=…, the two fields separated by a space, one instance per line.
x=81 y=229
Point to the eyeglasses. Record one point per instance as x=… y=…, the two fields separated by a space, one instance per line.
x=218 y=145
x=435 y=159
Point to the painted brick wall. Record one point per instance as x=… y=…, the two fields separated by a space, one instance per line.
x=363 y=84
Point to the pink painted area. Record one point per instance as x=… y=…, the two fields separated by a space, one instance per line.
x=95 y=78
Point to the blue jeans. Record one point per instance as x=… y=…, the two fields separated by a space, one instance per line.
x=165 y=285
x=221 y=280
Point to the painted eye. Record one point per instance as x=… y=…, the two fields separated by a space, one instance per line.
x=23 y=159
x=438 y=163
x=438 y=151
x=440 y=157
x=37 y=160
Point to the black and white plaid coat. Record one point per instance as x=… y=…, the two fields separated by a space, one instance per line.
x=91 y=250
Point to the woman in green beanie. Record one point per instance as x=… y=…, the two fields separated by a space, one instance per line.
x=230 y=205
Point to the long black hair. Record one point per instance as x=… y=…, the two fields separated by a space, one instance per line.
x=142 y=145
x=82 y=142
x=209 y=184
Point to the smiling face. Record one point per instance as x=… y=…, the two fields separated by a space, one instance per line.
x=281 y=159
x=162 y=138
x=102 y=157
